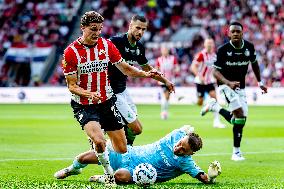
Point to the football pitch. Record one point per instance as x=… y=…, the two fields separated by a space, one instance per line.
x=38 y=140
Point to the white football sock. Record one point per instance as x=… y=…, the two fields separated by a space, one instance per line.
x=236 y=150
x=164 y=105
x=104 y=160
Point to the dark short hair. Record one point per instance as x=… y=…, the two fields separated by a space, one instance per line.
x=139 y=17
x=236 y=23
x=91 y=17
x=194 y=141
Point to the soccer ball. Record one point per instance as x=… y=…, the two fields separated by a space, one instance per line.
x=144 y=174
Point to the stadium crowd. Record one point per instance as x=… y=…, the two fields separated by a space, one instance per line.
x=263 y=23
x=27 y=23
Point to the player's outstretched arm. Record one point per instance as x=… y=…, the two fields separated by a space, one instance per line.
x=131 y=71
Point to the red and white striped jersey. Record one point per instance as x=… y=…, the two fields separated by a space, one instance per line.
x=91 y=66
x=168 y=66
x=205 y=69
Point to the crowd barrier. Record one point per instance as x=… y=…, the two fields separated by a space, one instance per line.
x=140 y=95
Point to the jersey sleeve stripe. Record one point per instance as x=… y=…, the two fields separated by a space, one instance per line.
x=118 y=62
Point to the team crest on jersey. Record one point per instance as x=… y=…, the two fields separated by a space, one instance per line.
x=137 y=51
x=247 y=53
x=102 y=52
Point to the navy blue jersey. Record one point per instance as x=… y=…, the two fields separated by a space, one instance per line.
x=233 y=62
x=133 y=55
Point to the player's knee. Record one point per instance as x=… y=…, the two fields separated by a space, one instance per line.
x=135 y=127
x=238 y=113
x=137 y=130
x=100 y=145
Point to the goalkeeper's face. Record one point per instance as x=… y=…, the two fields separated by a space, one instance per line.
x=182 y=147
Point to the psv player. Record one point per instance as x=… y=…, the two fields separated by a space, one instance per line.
x=202 y=68
x=85 y=67
x=167 y=64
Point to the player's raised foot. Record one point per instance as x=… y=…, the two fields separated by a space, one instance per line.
x=218 y=124
x=210 y=106
x=237 y=156
x=164 y=115
x=66 y=172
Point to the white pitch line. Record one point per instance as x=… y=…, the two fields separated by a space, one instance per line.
x=35 y=159
x=211 y=154
x=225 y=154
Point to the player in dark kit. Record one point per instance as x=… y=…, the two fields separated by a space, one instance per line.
x=133 y=52
x=230 y=70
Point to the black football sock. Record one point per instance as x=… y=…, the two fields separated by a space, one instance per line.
x=226 y=114
x=239 y=124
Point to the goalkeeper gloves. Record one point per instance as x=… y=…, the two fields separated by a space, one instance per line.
x=213 y=171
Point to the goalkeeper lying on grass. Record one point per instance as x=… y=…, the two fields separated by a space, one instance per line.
x=171 y=156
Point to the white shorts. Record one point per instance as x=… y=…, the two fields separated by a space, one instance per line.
x=126 y=107
x=235 y=98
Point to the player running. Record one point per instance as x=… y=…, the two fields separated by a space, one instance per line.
x=202 y=68
x=85 y=67
x=171 y=156
x=230 y=70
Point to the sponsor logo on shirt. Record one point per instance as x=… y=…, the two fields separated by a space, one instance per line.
x=93 y=66
x=163 y=155
x=239 y=63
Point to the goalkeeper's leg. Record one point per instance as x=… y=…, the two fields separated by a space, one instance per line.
x=74 y=169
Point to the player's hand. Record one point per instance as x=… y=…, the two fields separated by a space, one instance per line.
x=214 y=170
x=95 y=96
x=170 y=86
x=234 y=84
x=202 y=79
x=153 y=73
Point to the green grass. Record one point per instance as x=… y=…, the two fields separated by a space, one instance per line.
x=37 y=140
